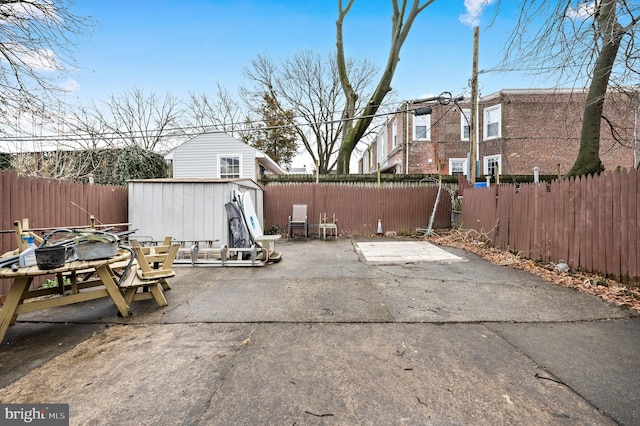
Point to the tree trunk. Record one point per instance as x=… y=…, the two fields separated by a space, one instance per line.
x=355 y=128
x=610 y=34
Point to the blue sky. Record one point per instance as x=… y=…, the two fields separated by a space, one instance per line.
x=191 y=45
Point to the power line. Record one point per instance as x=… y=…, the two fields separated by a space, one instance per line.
x=171 y=132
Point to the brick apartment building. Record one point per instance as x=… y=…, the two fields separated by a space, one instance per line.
x=517 y=131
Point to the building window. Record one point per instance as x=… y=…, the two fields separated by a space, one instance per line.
x=492 y=164
x=465 y=126
x=422 y=127
x=458 y=166
x=394 y=134
x=492 y=122
x=229 y=166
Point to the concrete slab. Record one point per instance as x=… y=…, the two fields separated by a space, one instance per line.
x=326 y=337
x=427 y=300
x=383 y=374
x=301 y=374
x=599 y=360
x=403 y=251
x=30 y=346
x=143 y=375
x=284 y=300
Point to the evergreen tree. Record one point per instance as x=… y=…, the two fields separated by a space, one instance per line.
x=275 y=134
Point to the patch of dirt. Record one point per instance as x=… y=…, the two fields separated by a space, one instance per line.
x=626 y=296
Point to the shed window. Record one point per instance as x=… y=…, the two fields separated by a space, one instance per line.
x=229 y=166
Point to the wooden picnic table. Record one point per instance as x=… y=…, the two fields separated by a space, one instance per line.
x=22 y=300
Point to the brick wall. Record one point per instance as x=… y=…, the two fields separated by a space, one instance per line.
x=539 y=128
x=423 y=157
x=543 y=130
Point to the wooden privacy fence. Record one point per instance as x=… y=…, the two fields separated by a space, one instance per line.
x=358 y=208
x=592 y=223
x=52 y=204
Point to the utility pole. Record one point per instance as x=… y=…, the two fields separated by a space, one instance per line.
x=473 y=136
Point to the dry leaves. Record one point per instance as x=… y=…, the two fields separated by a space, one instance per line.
x=607 y=289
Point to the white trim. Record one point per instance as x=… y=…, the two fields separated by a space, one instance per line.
x=422 y=120
x=465 y=122
x=465 y=165
x=268 y=163
x=240 y=165
x=492 y=115
x=485 y=163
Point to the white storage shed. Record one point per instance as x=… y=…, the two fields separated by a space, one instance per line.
x=186 y=209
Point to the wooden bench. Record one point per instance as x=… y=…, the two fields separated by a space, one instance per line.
x=153 y=265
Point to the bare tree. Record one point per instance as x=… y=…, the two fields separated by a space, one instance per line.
x=87 y=128
x=36 y=46
x=592 y=41
x=133 y=118
x=224 y=112
x=358 y=120
x=309 y=84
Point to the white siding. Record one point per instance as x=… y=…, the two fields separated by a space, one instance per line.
x=198 y=157
x=186 y=210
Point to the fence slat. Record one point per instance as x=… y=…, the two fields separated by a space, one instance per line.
x=608 y=223
x=569 y=223
x=635 y=189
x=582 y=240
x=558 y=207
x=634 y=231
x=516 y=230
x=623 y=234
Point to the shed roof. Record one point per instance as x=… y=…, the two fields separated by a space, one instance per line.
x=244 y=182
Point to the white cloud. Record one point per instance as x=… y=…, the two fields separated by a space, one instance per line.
x=474 y=10
x=583 y=11
x=70 y=86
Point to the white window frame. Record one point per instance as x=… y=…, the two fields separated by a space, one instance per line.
x=394 y=134
x=465 y=120
x=232 y=176
x=422 y=121
x=465 y=165
x=485 y=163
x=492 y=116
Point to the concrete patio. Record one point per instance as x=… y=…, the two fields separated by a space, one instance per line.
x=380 y=331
